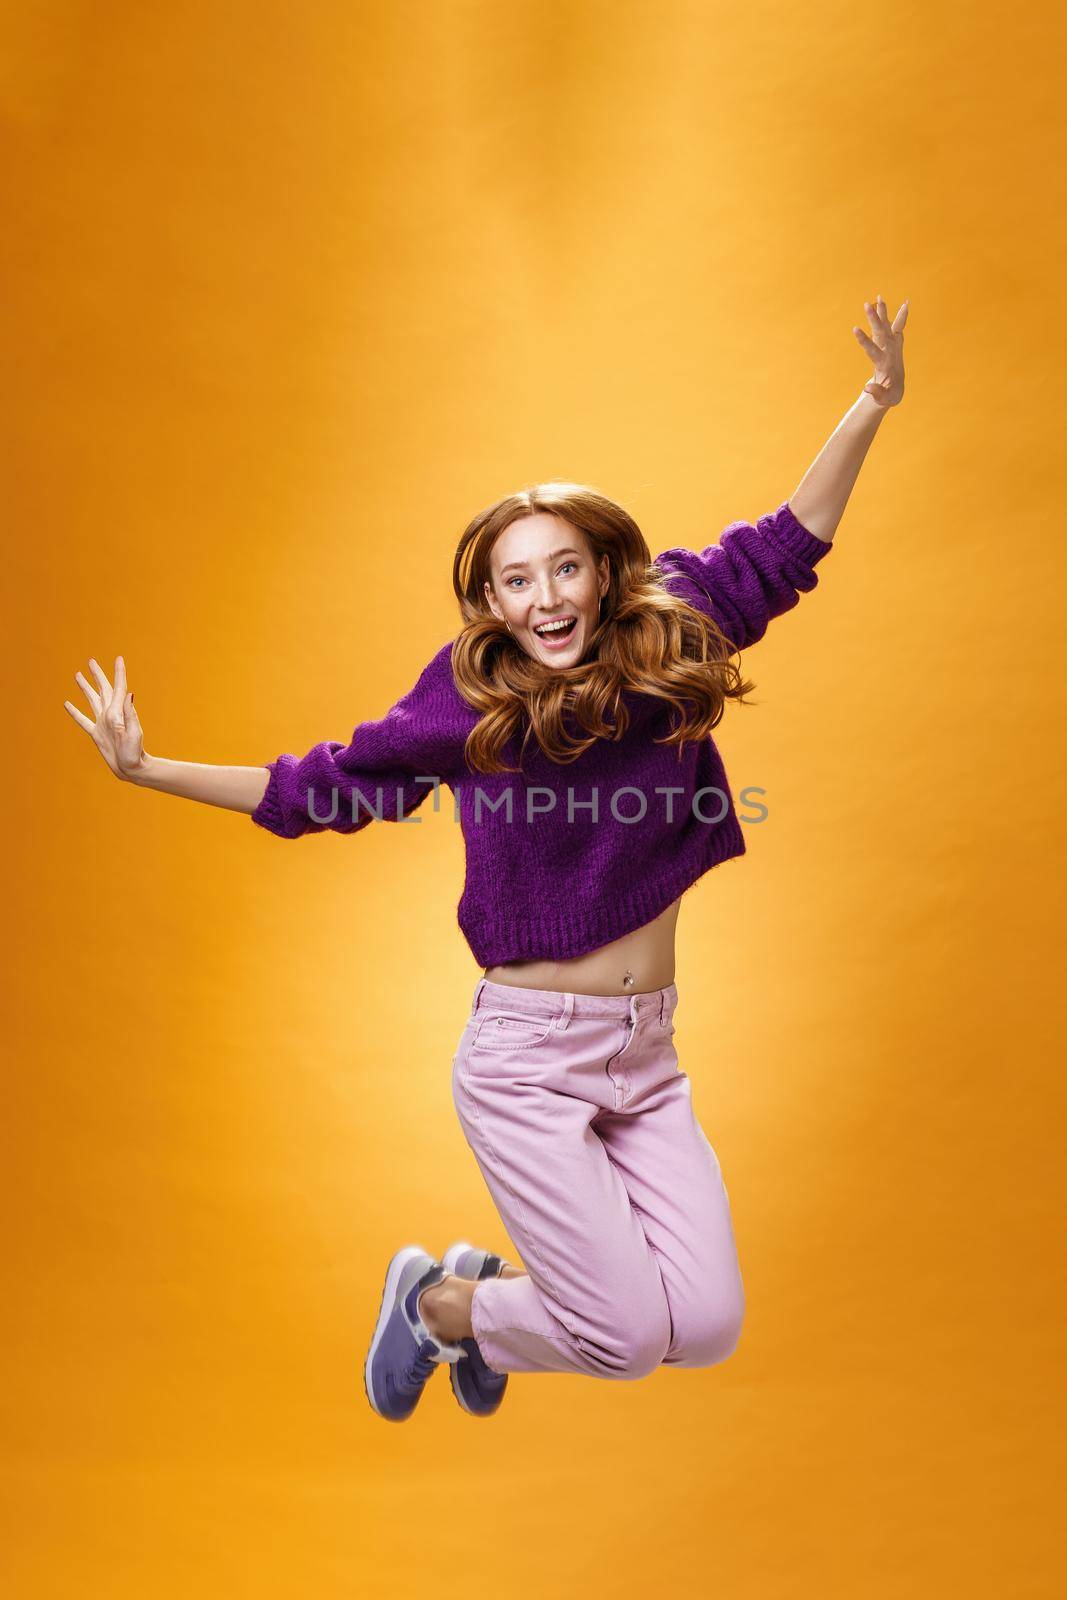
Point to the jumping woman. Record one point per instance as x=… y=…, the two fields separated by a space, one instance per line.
x=571 y=719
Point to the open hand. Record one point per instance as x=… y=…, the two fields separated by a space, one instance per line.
x=886 y=350
x=117 y=729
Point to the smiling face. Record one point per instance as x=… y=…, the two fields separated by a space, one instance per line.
x=543 y=573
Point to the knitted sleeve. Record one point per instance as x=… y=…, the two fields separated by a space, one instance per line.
x=754 y=572
x=384 y=772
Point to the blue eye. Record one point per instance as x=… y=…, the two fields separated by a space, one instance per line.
x=518 y=579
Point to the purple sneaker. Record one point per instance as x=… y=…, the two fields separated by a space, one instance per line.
x=478 y=1387
x=403 y=1353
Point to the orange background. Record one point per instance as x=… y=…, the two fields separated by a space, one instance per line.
x=294 y=291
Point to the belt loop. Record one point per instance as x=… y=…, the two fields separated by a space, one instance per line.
x=662 y=1004
x=633 y=1009
x=478 y=995
x=568 y=1009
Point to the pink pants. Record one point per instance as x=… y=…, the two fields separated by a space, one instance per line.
x=582 y=1123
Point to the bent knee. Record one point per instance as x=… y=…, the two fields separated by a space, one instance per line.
x=632 y=1350
x=711 y=1339
x=643 y=1357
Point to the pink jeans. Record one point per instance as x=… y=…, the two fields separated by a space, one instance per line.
x=582 y=1123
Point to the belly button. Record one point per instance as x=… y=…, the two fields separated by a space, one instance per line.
x=628 y=979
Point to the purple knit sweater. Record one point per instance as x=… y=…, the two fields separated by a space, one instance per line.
x=561 y=858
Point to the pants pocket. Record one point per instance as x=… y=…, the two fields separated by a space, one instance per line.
x=501 y=1031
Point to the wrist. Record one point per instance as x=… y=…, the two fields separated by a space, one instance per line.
x=877 y=407
x=871 y=412
x=141 y=775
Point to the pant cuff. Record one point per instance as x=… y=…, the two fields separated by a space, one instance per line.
x=491 y=1355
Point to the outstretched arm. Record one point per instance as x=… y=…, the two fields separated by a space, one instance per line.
x=823 y=492
x=386 y=769
x=115 y=729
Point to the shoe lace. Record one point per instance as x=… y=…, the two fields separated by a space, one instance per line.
x=422 y=1365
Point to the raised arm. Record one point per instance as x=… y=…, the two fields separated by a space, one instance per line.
x=756 y=571
x=823 y=492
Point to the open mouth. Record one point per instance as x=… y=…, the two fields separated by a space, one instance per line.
x=560 y=628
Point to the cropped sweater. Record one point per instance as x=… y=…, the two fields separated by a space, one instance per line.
x=561 y=858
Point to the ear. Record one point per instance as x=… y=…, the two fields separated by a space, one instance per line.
x=492 y=602
x=604 y=575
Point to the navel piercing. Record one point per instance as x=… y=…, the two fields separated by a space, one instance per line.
x=628 y=979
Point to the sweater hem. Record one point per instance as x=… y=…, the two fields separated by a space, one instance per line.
x=569 y=935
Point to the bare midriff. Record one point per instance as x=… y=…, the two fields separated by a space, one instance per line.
x=635 y=964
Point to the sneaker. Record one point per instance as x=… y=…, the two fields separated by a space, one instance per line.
x=478 y=1387
x=403 y=1353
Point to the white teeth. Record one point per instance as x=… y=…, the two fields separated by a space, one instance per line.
x=553 y=627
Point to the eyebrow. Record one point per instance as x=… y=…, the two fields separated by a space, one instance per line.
x=568 y=550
